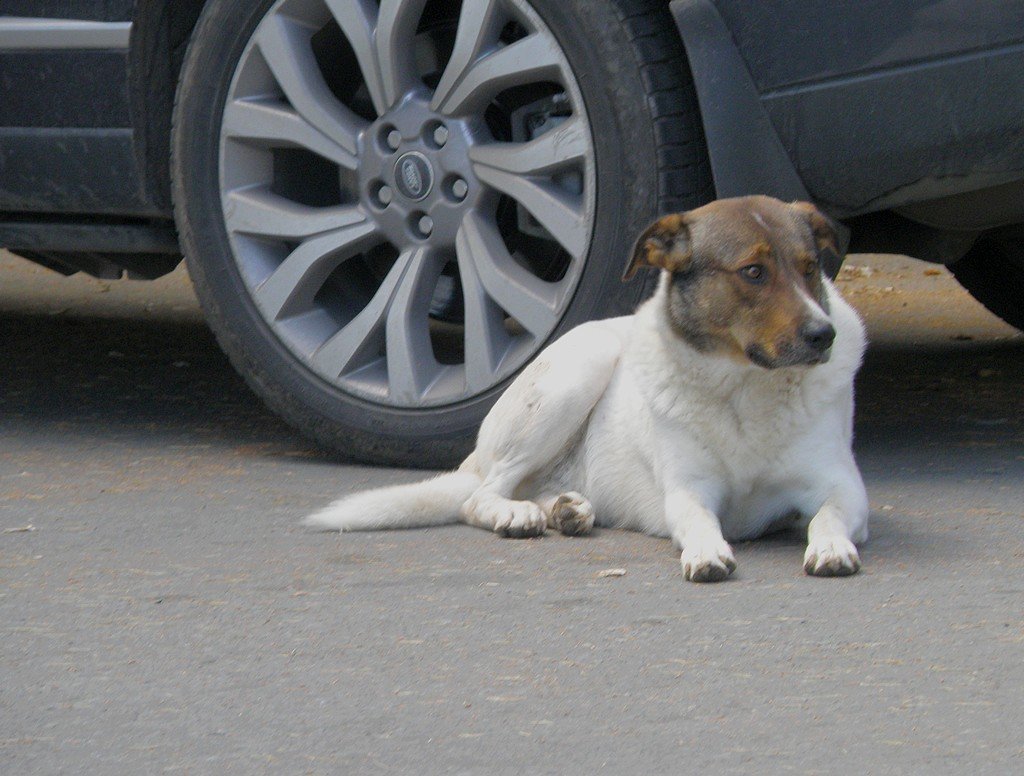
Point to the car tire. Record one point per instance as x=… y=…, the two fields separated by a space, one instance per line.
x=993 y=272
x=647 y=154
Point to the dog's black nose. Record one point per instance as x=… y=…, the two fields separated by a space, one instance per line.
x=817 y=335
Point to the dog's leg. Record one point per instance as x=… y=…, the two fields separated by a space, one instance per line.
x=706 y=555
x=534 y=423
x=841 y=521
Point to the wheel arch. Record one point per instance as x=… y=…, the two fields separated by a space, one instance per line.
x=161 y=30
x=746 y=154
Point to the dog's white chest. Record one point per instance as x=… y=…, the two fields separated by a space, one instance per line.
x=748 y=448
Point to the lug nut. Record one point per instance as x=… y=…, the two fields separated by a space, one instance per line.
x=441 y=135
x=460 y=188
x=394 y=139
x=426 y=225
x=385 y=195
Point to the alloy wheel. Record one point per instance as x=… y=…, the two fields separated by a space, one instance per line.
x=408 y=191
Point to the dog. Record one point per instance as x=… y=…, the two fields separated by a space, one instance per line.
x=720 y=411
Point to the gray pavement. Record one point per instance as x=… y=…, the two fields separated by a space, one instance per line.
x=167 y=614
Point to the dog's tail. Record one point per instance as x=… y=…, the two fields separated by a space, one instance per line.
x=430 y=502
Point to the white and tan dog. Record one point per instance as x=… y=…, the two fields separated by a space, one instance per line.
x=721 y=410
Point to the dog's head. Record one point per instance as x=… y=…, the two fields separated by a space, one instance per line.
x=746 y=278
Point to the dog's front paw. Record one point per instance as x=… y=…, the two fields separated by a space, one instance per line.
x=707 y=561
x=831 y=556
x=520 y=520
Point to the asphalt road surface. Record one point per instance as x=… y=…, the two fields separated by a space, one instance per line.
x=166 y=613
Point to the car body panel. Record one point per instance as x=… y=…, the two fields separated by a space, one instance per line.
x=75 y=155
x=874 y=104
x=906 y=135
x=87 y=10
x=787 y=43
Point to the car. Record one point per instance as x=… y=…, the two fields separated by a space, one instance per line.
x=388 y=208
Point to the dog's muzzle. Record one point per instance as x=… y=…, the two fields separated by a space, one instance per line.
x=798 y=353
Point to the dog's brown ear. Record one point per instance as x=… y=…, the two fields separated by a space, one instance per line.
x=826 y=237
x=821 y=225
x=665 y=244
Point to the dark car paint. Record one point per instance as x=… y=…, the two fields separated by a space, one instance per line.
x=874 y=104
x=92 y=10
x=824 y=40
x=76 y=154
x=860 y=106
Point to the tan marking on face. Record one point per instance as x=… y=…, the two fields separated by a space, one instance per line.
x=760 y=252
x=775 y=325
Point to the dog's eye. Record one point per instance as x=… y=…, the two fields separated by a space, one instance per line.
x=810 y=269
x=755 y=273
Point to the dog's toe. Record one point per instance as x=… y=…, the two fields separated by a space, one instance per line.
x=707 y=572
x=523 y=521
x=831 y=557
x=572 y=514
x=523 y=531
x=708 y=563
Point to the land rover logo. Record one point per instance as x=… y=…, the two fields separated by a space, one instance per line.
x=414 y=175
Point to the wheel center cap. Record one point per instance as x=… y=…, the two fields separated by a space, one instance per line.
x=414 y=176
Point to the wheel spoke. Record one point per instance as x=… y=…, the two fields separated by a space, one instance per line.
x=285 y=45
x=534 y=58
x=518 y=170
x=559 y=213
x=479 y=24
x=363 y=331
x=302 y=274
x=358 y=20
x=564 y=146
x=486 y=340
x=396 y=28
x=274 y=124
x=411 y=361
x=533 y=302
x=382 y=39
x=258 y=211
